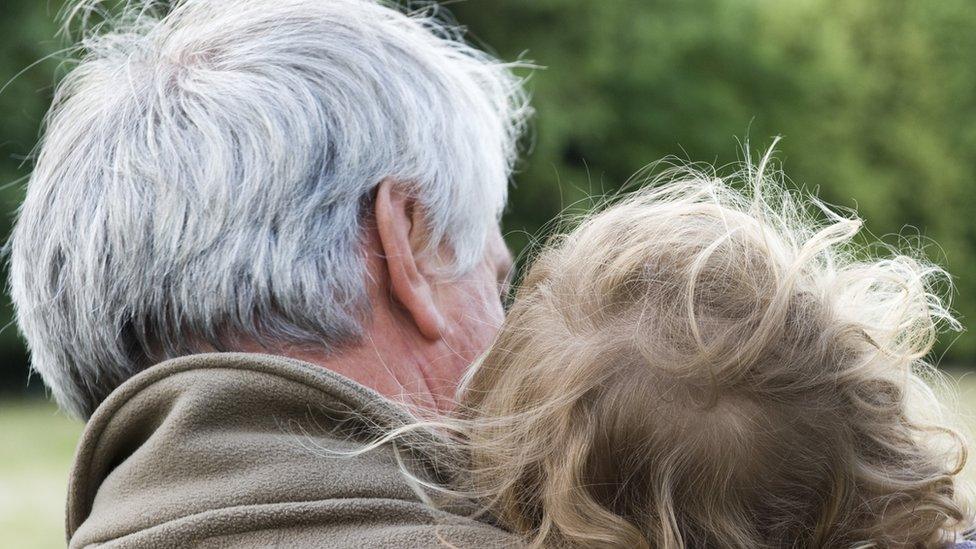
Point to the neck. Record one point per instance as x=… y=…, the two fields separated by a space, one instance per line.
x=393 y=360
x=393 y=357
x=399 y=376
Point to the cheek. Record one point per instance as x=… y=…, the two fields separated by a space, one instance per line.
x=477 y=309
x=494 y=316
x=481 y=328
x=491 y=301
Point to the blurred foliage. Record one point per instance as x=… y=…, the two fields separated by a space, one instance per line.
x=876 y=101
x=27 y=78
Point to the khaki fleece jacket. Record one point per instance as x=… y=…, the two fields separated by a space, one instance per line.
x=225 y=450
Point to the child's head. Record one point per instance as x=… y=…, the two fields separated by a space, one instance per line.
x=699 y=366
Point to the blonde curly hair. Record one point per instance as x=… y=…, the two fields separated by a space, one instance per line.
x=703 y=366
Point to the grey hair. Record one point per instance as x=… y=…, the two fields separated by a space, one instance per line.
x=204 y=170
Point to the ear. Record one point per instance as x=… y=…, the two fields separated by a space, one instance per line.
x=401 y=229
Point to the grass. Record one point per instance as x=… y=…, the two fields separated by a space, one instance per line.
x=37 y=449
x=38 y=444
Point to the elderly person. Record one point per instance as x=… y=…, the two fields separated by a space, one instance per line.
x=257 y=227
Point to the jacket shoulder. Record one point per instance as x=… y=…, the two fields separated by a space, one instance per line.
x=226 y=445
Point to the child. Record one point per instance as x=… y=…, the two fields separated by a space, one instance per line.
x=702 y=367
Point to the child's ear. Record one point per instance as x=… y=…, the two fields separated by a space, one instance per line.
x=403 y=237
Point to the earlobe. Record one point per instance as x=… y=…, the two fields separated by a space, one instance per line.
x=395 y=223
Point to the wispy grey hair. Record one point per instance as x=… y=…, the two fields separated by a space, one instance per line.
x=205 y=167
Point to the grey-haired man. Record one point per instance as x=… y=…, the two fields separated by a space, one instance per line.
x=256 y=228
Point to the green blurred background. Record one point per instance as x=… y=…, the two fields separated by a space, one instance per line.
x=876 y=101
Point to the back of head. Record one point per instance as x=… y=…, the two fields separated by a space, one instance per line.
x=699 y=366
x=206 y=164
